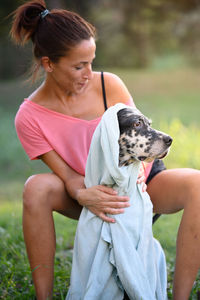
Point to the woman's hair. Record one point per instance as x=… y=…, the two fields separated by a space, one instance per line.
x=53 y=33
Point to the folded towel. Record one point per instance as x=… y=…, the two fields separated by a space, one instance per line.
x=110 y=258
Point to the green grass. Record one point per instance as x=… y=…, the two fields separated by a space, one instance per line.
x=165 y=94
x=15 y=274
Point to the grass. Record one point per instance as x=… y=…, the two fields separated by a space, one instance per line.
x=15 y=274
x=165 y=94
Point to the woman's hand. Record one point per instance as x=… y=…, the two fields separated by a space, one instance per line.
x=141 y=178
x=102 y=200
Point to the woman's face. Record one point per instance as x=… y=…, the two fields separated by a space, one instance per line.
x=73 y=71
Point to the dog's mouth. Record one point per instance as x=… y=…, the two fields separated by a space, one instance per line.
x=150 y=159
x=162 y=155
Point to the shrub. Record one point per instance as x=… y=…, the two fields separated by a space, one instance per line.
x=185 y=149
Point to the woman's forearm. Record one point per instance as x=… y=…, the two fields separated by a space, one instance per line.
x=74 y=186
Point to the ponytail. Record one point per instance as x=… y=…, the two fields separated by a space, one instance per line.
x=26 y=20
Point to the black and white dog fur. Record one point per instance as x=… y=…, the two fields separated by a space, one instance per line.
x=138 y=140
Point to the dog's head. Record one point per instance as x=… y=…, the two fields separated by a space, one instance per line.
x=138 y=140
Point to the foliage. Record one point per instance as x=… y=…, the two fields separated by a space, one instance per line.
x=185 y=149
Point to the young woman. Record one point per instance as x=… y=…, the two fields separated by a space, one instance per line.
x=56 y=124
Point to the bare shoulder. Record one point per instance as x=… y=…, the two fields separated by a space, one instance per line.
x=116 y=90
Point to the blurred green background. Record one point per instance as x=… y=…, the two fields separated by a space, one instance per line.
x=154 y=46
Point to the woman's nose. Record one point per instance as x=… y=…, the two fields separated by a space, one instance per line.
x=88 y=74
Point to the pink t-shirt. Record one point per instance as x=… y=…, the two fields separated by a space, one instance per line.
x=41 y=130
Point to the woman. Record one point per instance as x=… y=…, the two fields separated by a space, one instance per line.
x=56 y=124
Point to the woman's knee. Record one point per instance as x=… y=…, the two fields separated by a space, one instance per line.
x=40 y=188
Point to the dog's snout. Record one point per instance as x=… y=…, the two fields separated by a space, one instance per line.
x=168 y=140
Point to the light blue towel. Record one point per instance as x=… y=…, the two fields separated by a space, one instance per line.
x=110 y=258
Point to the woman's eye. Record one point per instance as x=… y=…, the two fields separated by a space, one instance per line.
x=78 y=68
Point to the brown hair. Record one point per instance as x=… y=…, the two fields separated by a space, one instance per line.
x=53 y=35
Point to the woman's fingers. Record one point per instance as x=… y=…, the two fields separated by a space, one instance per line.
x=114 y=211
x=102 y=200
x=144 y=187
x=105 y=218
x=141 y=179
x=114 y=195
x=106 y=189
x=115 y=205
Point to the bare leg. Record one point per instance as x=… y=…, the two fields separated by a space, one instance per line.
x=43 y=194
x=171 y=191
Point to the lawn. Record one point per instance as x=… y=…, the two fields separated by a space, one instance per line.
x=15 y=275
x=170 y=97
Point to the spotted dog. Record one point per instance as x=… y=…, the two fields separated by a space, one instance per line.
x=138 y=140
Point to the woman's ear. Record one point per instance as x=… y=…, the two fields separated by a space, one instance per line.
x=46 y=63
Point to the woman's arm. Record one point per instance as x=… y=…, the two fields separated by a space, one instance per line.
x=100 y=200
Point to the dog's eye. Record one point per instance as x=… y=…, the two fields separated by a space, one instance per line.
x=138 y=124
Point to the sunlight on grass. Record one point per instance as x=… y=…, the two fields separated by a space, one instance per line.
x=165 y=94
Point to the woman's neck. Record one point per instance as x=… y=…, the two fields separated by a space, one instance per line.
x=80 y=105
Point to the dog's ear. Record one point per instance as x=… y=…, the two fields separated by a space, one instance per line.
x=123 y=112
x=126 y=117
x=122 y=116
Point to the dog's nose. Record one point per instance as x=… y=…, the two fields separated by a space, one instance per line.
x=168 y=140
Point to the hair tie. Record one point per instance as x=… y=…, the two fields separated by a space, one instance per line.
x=44 y=13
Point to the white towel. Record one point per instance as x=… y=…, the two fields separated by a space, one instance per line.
x=110 y=258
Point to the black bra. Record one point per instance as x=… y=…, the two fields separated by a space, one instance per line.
x=103 y=91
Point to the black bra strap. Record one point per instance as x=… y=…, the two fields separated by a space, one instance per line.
x=103 y=91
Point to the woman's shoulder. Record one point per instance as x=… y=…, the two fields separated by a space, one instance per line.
x=116 y=90
x=22 y=110
x=25 y=114
x=110 y=78
x=24 y=107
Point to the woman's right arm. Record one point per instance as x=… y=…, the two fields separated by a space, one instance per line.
x=100 y=200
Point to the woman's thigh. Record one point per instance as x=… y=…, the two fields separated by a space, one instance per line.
x=171 y=190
